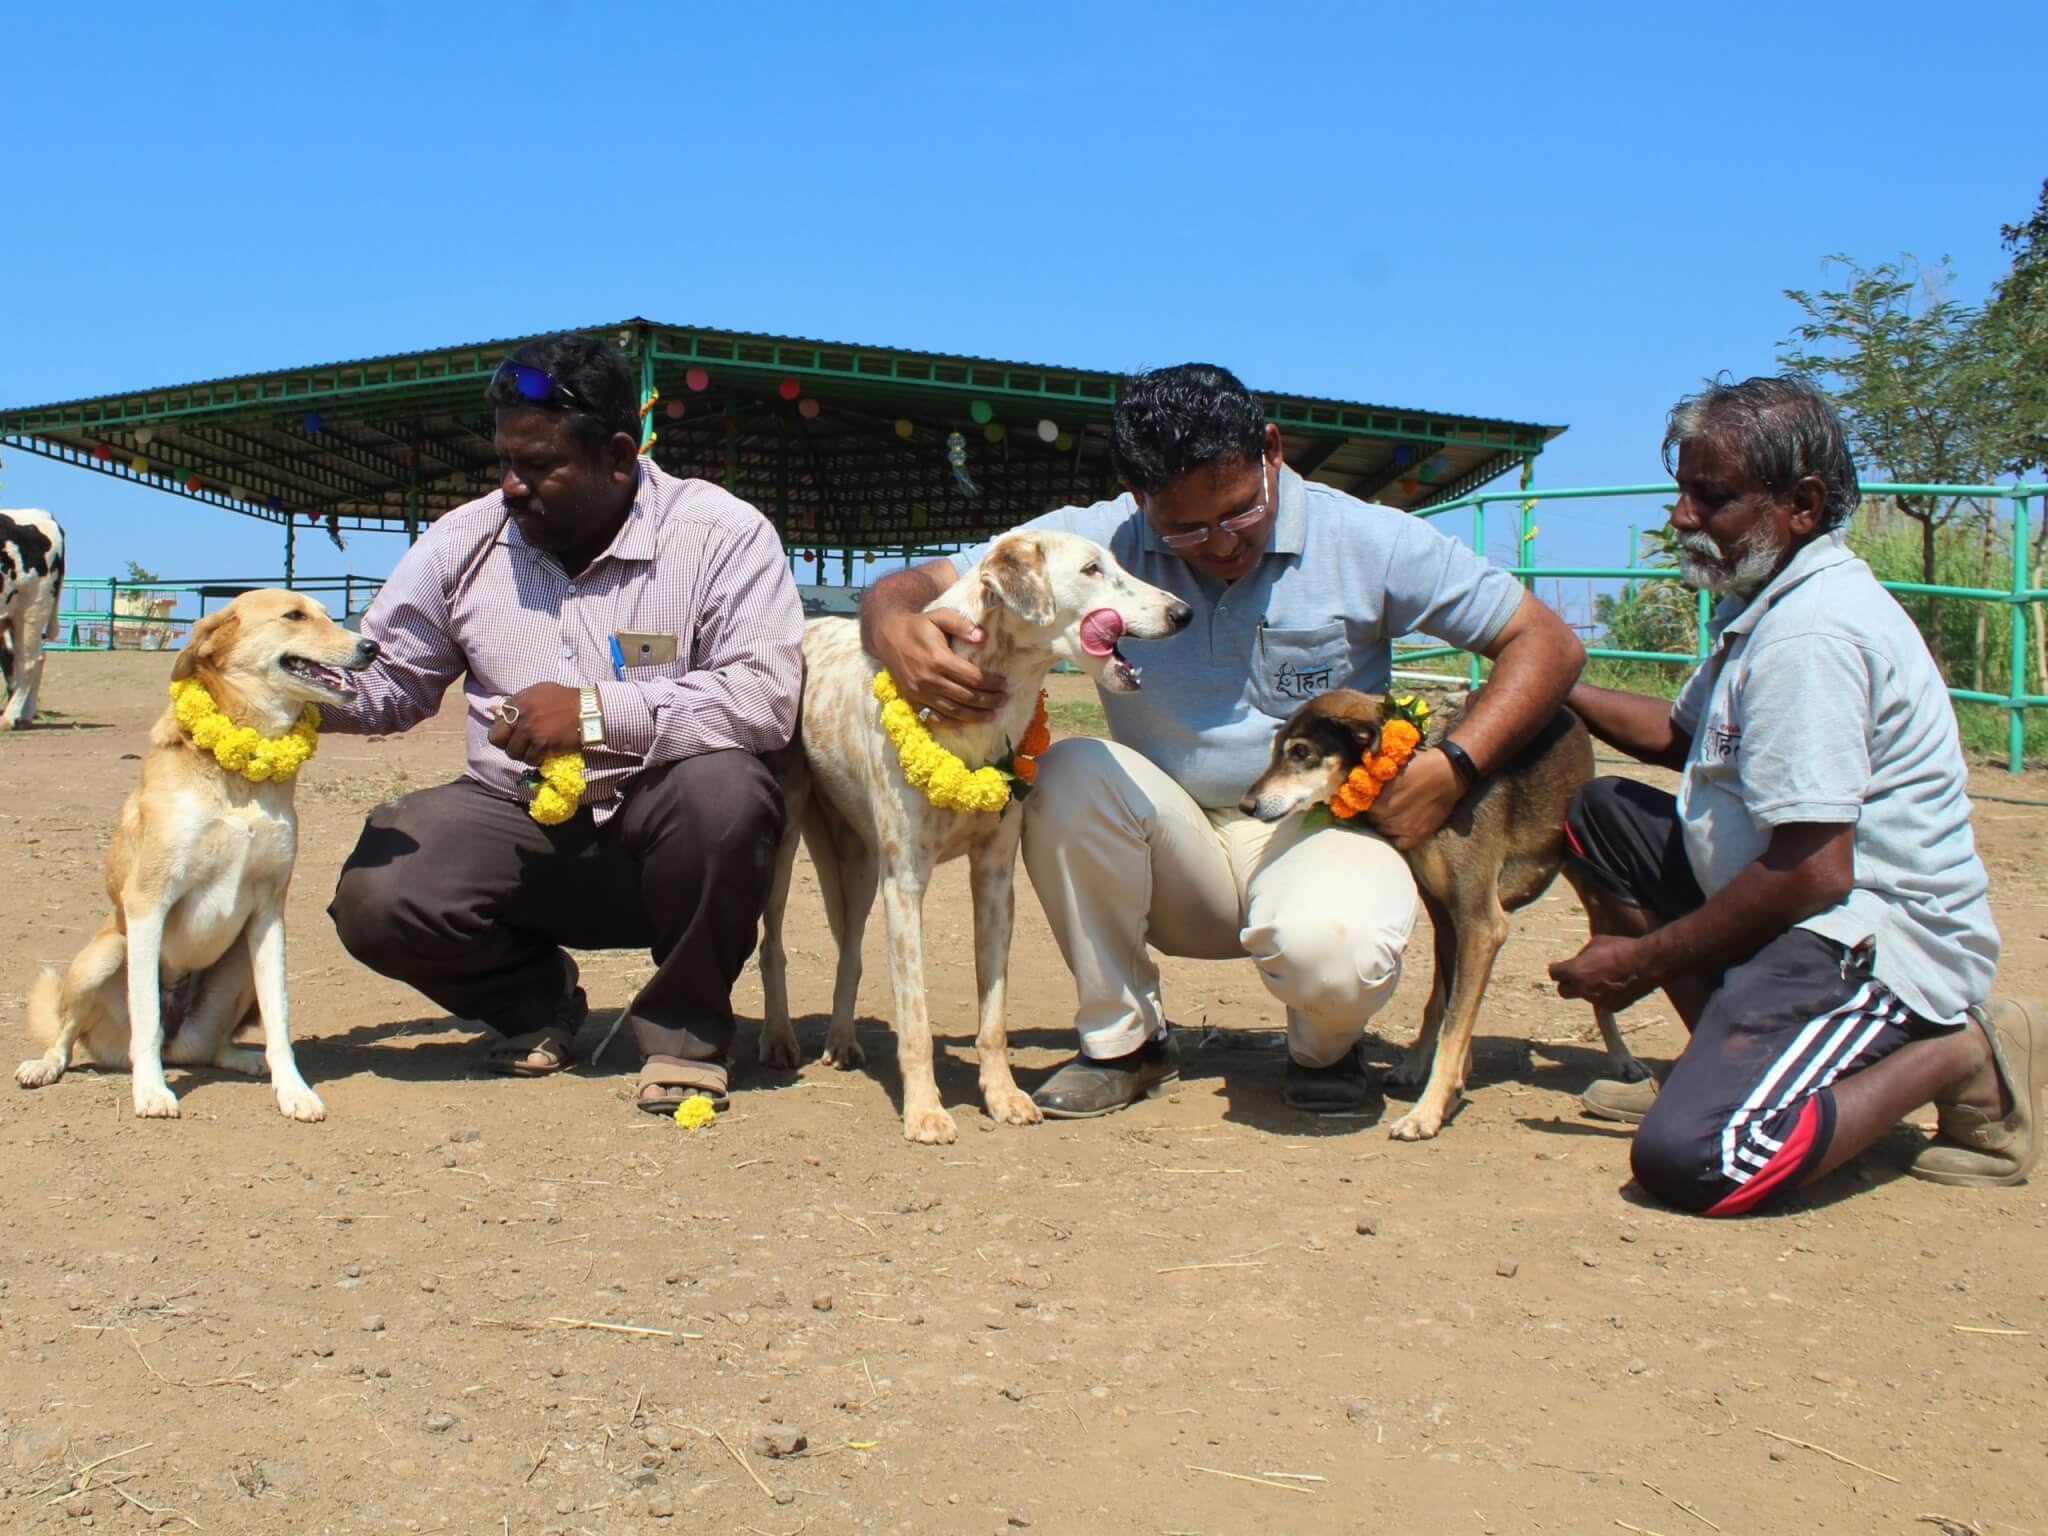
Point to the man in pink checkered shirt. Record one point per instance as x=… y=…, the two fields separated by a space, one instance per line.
x=592 y=603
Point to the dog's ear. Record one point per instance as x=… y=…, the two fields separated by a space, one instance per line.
x=211 y=638
x=1014 y=577
x=1365 y=733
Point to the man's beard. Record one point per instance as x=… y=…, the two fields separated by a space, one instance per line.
x=1703 y=567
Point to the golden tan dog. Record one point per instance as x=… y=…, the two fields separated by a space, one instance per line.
x=865 y=825
x=1500 y=850
x=197 y=874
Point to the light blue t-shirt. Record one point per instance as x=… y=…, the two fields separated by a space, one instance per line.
x=1820 y=703
x=1340 y=580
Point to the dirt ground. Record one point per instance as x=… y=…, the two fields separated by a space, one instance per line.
x=1208 y=1314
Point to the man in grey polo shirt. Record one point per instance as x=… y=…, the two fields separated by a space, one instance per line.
x=1811 y=900
x=1136 y=844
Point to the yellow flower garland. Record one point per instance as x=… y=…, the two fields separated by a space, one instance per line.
x=559 y=791
x=240 y=748
x=947 y=781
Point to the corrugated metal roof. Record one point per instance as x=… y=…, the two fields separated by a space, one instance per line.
x=375 y=441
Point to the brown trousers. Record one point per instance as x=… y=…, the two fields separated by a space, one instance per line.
x=463 y=895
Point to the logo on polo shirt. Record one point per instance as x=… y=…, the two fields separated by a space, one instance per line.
x=1723 y=742
x=1301 y=683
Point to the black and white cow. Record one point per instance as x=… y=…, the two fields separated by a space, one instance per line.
x=31 y=585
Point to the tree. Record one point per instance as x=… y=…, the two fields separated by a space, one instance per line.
x=1920 y=388
x=2016 y=326
x=136 y=573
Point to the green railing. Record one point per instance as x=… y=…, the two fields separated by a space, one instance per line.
x=2016 y=700
x=111 y=613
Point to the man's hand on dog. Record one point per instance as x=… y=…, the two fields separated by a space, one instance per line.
x=1414 y=805
x=544 y=723
x=930 y=674
x=1609 y=973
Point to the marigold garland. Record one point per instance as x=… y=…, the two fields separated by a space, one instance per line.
x=558 y=789
x=946 y=781
x=241 y=748
x=1398 y=740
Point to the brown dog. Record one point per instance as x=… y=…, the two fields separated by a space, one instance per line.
x=196 y=875
x=1500 y=850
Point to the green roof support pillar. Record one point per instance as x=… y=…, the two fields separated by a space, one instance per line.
x=291 y=533
x=648 y=393
x=412 y=492
x=1479 y=549
x=2016 y=728
x=1525 y=525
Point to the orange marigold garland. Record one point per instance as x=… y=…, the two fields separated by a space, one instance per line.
x=1022 y=763
x=1404 y=720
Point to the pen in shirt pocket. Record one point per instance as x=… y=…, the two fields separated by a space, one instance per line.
x=618 y=659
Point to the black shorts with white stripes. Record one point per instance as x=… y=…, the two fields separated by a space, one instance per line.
x=1747 y=1111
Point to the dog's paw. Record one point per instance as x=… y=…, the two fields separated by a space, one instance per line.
x=779 y=1049
x=239 y=1058
x=1012 y=1106
x=154 y=1101
x=39 y=1072
x=844 y=1052
x=1416 y=1125
x=929 y=1127
x=300 y=1103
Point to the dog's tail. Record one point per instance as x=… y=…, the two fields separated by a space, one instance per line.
x=45 y=1020
x=81 y=1017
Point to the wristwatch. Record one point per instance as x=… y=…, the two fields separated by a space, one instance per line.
x=589 y=718
x=1461 y=764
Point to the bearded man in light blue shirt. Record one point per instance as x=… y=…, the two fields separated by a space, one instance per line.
x=1811 y=900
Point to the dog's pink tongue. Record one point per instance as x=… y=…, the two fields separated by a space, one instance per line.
x=1100 y=631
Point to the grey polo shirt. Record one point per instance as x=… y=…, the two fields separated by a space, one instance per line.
x=1820 y=703
x=1340 y=580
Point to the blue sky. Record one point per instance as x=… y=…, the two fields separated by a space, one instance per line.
x=1568 y=213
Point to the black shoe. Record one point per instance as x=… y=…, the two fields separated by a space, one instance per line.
x=1085 y=1088
x=1341 y=1088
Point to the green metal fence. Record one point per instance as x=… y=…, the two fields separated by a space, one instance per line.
x=110 y=613
x=2016 y=701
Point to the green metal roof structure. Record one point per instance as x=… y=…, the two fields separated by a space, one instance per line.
x=844 y=447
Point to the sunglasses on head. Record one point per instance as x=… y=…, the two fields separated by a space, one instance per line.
x=536 y=386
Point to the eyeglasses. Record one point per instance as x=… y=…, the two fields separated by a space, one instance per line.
x=534 y=385
x=1239 y=526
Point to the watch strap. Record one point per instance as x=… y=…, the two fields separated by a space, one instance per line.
x=1461 y=762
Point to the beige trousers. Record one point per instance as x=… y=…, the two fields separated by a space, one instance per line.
x=1125 y=863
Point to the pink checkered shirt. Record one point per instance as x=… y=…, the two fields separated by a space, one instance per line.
x=690 y=560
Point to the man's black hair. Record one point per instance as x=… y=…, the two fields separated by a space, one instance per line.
x=594 y=371
x=1172 y=420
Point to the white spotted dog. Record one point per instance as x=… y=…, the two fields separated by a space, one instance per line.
x=864 y=824
x=197 y=872
x=31 y=590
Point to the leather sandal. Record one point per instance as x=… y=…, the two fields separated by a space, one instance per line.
x=538 y=1053
x=1973 y=1147
x=667 y=1081
x=546 y=1051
